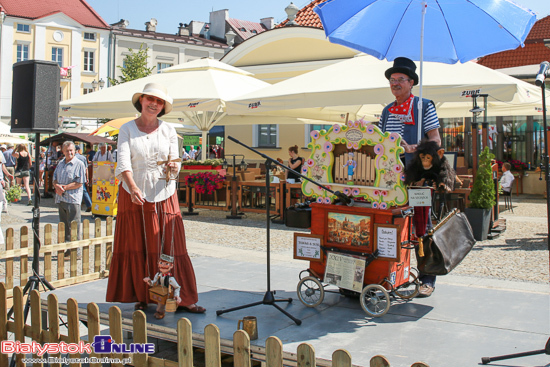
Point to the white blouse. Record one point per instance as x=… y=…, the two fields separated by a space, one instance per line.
x=139 y=153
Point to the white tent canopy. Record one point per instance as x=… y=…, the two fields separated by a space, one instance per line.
x=199 y=89
x=358 y=86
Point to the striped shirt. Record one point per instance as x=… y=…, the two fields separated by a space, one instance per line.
x=429 y=122
x=66 y=173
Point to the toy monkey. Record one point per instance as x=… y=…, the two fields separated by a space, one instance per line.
x=164 y=278
x=429 y=167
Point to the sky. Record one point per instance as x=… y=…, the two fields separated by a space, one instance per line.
x=169 y=13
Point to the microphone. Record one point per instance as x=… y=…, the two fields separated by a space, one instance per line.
x=344 y=199
x=542 y=73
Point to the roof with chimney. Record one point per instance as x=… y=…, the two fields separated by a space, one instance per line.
x=190 y=40
x=533 y=53
x=245 y=29
x=79 y=10
x=306 y=16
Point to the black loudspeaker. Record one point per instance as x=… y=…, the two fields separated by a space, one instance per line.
x=35 y=97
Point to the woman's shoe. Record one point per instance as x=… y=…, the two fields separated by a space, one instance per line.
x=29 y=203
x=159 y=315
x=193 y=309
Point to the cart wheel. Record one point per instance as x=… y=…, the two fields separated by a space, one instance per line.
x=410 y=289
x=310 y=291
x=375 y=300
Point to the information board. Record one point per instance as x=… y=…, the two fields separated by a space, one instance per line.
x=420 y=197
x=345 y=271
x=308 y=247
x=386 y=241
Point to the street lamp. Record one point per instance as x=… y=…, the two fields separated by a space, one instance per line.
x=242 y=166
x=94 y=85
x=101 y=83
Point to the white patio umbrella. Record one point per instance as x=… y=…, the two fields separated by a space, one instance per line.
x=358 y=86
x=199 y=89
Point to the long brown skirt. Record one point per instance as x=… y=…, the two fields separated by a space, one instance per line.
x=140 y=233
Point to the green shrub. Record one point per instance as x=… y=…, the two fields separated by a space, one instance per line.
x=483 y=192
x=208 y=162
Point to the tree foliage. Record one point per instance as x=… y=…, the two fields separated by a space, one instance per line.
x=483 y=192
x=134 y=67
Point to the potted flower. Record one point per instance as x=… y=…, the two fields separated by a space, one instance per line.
x=482 y=198
x=13 y=195
x=205 y=182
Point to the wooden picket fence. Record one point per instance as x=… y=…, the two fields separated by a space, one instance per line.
x=243 y=353
x=54 y=270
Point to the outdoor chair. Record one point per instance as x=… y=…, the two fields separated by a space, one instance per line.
x=508 y=198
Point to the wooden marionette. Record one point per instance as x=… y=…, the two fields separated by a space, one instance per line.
x=351 y=164
x=164 y=285
x=429 y=168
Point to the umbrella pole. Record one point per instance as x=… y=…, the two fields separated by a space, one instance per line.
x=420 y=115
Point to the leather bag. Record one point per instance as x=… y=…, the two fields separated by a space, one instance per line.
x=446 y=245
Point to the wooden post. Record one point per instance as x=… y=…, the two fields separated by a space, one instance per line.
x=212 y=354
x=24 y=263
x=9 y=262
x=97 y=248
x=241 y=349
x=53 y=323
x=185 y=343
x=61 y=253
x=73 y=325
x=36 y=322
x=341 y=358
x=3 y=321
x=85 y=249
x=109 y=245
x=139 y=323
x=115 y=328
x=48 y=255
x=19 y=322
x=93 y=327
x=305 y=355
x=273 y=352
x=379 y=361
x=74 y=251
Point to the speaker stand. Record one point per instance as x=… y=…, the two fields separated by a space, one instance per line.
x=36 y=279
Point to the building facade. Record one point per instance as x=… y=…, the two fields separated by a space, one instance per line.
x=72 y=35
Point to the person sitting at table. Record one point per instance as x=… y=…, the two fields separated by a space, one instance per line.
x=507 y=178
x=295 y=163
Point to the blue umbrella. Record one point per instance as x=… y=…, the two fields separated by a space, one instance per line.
x=444 y=31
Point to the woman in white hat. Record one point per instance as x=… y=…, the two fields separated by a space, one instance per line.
x=149 y=220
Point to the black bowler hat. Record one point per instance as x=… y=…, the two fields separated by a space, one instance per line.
x=404 y=66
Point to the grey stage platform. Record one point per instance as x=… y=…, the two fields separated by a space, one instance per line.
x=457 y=326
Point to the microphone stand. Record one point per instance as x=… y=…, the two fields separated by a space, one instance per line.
x=546 y=350
x=269 y=296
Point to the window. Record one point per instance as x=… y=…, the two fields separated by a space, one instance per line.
x=87 y=90
x=88 y=61
x=89 y=36
x=163 y=65
x=22 y=52
x=57 y=55
x=254 y=31
x=267 y=136
x=25 y=28
x=242 y=29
